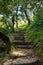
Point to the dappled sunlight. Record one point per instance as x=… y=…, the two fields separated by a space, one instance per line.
x=22 y=24
x=2 y=25
x=31 y=17
x=19 y=53
x=22 y=52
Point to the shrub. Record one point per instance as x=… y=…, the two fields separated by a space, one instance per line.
x=35 y=33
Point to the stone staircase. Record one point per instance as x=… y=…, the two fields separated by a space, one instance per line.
x=23 y=54
x=21 y=40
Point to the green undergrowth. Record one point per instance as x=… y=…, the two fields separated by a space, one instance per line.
x=35 y=33
x=2 y=56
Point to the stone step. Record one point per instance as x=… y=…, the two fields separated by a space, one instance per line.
x=20 y=30
x=18 y=42
x=21 y=39
x=17 y=34
x=23 y=61
x=32 y=61
x=23 y=57
x=23 y=46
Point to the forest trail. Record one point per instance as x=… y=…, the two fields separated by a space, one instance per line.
x=23 y=53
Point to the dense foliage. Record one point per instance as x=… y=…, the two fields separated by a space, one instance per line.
x=35 y=32
x=15 y=10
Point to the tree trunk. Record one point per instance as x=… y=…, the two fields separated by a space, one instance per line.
x=25 y=8
x=13 y=23
x=27 y=17
x=17 y=17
